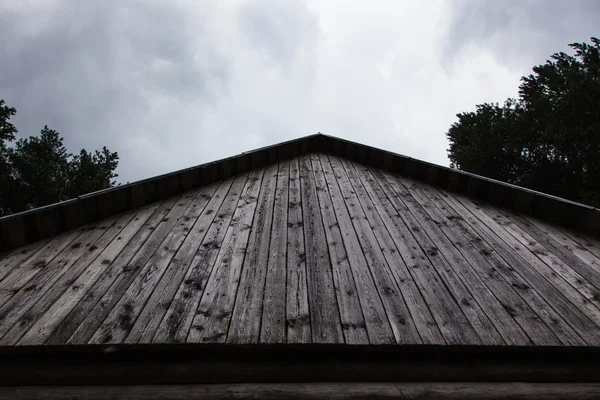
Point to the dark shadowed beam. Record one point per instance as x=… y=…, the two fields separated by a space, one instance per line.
x=224 y=363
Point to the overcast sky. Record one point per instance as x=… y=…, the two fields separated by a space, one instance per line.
x=171 y=84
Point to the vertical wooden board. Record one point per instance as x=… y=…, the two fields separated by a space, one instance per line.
x=482 y=270
x=417 y=312
x=273 y=318
x=451 y=320
x=17 y=257
x=123 y=316
x=402 y=325
x=452 y=266
x=583 y=251
x=16 y=310
x=348 y=291
x=177 y=321
x=214 y=311
x=247 y=310
x=586 y=241
x=64 y=280
x=386 y=319
x=59 y=309
x=169 y=212
x=585 y=264
x=192 y=226
x=21 y=273
x=322 y=302
x=296 y=309
x=559 y=270
x=571 y=295
x=120 y=267
x=532 y=287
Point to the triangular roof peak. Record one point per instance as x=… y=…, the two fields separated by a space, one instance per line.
x=30 y=226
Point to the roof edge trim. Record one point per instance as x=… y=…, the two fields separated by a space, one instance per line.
x=39 y=223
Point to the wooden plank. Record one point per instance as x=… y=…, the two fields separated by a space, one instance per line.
x=562 y=295
x=214 y=311
x=397 y=274
x=483 y=271
x=124 y=314
x=177 y=321
x=447 y=264
x=394 y=309
x=584 y=263
x=582 y=292
x=119 y=267
x=349 y=288
x=507 y=265
x=244 y=326
x=104 y=301
x=315 y=391
x=16 y=309
x=324 y=312
x=449 y=317
x=15 y=258
x=24 y=272
x=589 y=242
x=296 y=309
x=272 y=329
x=59 y=309
x=192 y=227
x=66 y=277
x=582 y=251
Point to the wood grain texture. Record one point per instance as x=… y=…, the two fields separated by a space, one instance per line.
x=273 y=319
x=394 y=313
x=519 y=324
x=191 y=227
x=214 y=311
x=347 y=285
x=15 y=311
x=296 y=310
x=523 y=263
x=581 y=292
x=448 y=314
x=124 y=314
x=424 y=322
x=92 y=308
x=452 y=267
x=316 y=249
x=178 y=318
x=16 y=258
x=324 y=312
x=169 y=212
x=60 y=308
x=247 y=311
x=541 y=322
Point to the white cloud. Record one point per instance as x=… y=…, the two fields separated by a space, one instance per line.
x=173 y=84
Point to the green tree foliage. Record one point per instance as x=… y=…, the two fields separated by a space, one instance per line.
x=38 y=171
x=549 y=138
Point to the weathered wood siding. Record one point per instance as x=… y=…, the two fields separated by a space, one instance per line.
x=315 y=249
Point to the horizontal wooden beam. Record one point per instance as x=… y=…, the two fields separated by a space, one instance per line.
x=212 y=364
x=310 y=391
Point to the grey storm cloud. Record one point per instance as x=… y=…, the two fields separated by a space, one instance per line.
x=174 y=83
x=520 y=31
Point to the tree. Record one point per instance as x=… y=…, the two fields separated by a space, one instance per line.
x=38 y=171
x=549 y=138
